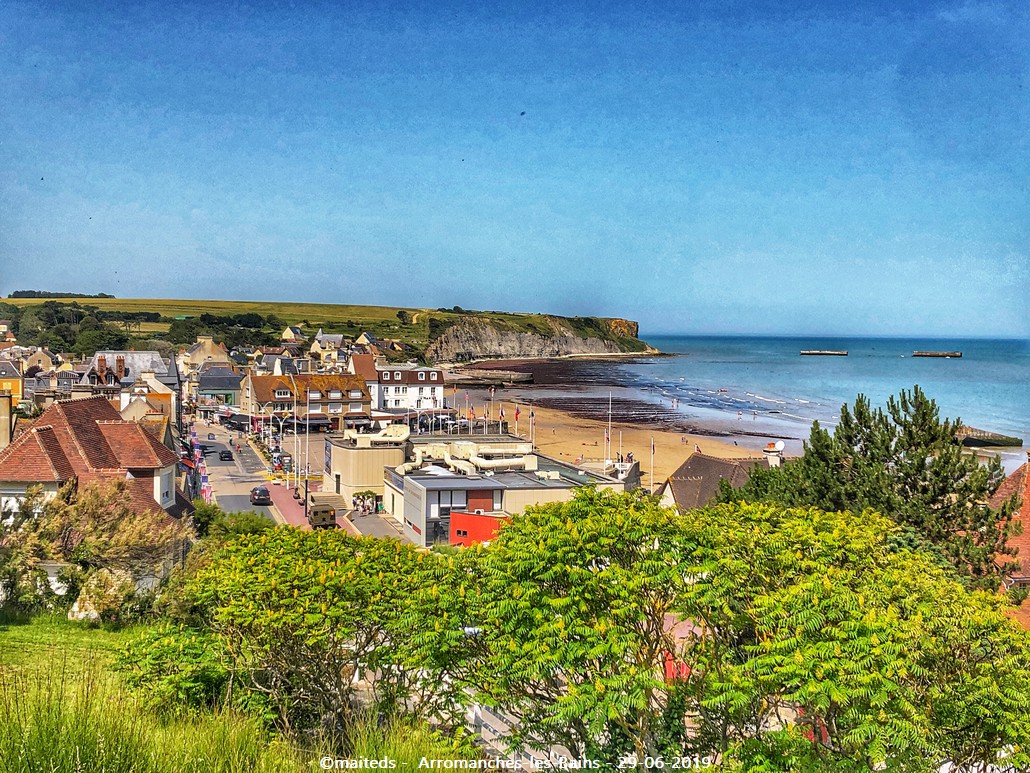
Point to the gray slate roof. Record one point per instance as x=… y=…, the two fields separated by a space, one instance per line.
x=696 y=482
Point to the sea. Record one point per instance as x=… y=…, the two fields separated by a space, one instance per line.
x=757 y=389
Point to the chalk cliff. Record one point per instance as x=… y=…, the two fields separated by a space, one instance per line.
x=476 y=337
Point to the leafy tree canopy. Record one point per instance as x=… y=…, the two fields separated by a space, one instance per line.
x=905 y=463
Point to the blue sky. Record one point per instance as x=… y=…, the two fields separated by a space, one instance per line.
x=702 y=167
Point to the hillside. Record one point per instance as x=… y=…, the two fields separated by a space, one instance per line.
x=435 y=334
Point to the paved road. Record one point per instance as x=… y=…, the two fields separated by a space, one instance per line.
x=237 y=503
x=231 y=481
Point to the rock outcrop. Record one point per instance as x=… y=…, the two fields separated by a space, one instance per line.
x=474 y=337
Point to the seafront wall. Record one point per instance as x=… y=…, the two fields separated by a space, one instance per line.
x=476 y=338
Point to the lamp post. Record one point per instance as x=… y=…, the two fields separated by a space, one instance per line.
x=307 y=444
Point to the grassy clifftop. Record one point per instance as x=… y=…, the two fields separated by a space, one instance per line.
x=416 y=327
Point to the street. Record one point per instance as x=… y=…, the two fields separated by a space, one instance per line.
x=231 y=481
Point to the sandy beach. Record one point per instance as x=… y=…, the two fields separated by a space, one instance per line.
x=564 y=436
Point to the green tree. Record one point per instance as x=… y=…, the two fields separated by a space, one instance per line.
x=818 y=646
x=301 y=613
x=905 y=463
x=567 y=611
x=92 y=341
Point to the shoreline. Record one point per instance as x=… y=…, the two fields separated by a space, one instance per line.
x=499 y=363
x=578 y=434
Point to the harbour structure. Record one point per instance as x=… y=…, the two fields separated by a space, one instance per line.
x=825 y=352
x=948 y=355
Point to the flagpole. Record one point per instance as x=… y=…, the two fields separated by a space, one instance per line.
x=608 y=452
x=652 y=465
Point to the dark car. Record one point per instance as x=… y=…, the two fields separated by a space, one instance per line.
x=259 y=495
x=225 y=456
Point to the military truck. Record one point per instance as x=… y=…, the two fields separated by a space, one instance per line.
x=323 y=509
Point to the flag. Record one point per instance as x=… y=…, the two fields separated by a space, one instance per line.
x=652 y=445
x=516 y=412
x=473 y=413
x=491 y=393
x=502 y=413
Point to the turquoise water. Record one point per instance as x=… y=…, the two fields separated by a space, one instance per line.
x=988 y=387
x=763 y=386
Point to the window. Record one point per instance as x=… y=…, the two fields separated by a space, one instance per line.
x=355 y=408
x=421 y=375
x=355 y=394
x=462 y=532
x=404 y=390
x=432 y=376
x=335 y=407
x=335 y=394
x=396 y=403
x=314 y=394
x=396 y=375
x=386 y=376
x=282 y=393
x=421 y=390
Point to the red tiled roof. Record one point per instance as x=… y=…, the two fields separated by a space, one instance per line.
x=134 y=447
x=364 y=365
x=1018 y=483
x=35 y=457
x=88 y=440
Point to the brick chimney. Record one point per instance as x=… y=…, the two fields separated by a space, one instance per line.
x=119 y=367
x=6 y=421
x=102 y=368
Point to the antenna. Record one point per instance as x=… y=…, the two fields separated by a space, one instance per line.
x=780 y=445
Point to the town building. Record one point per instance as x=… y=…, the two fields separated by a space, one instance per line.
x=205 y=350
x=109 y=372
x=399 y=388
x=11 y=380
x=87 y=441
x=442 y=488
x=321 y=401
x=1018 y=484
x=218 y=386
x=695 y=483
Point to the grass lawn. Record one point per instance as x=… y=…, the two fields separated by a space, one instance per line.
x=63 y=709
x=44 y=640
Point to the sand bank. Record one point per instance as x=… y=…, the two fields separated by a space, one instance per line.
x=564 y=436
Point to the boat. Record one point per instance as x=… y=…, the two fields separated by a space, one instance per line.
x=948 y=355
x=825 y=352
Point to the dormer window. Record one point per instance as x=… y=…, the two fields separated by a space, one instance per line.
x=335 y=394
x=386 y=376
x=396 y=375
x=421 y=376
x=314 y=394
x=432 y=376
x=282 y=393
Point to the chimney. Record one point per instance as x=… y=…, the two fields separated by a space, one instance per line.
x=774 y=453
x=102 y=368
x=119 y=367
x=6 y=424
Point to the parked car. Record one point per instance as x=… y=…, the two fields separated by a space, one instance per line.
x=259 y=495
x=225 y=456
